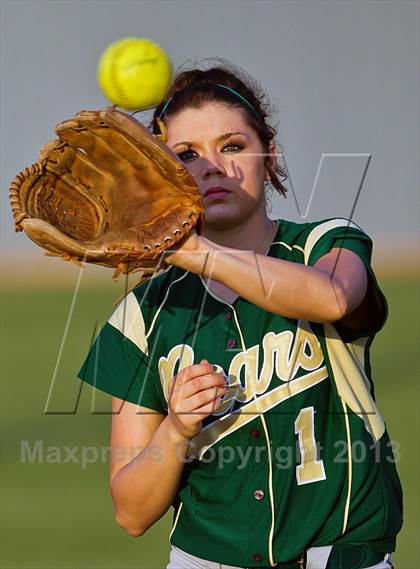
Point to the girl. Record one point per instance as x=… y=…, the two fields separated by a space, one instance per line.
x=240 y=377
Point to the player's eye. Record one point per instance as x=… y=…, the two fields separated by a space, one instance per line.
x=185 y=155
x=234 y=145
x=231 y=147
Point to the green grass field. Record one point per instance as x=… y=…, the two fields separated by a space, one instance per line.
x=57 y=513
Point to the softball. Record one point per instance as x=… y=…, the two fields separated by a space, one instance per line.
x=134 y=73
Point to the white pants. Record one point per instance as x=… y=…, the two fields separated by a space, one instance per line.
x=317 y=558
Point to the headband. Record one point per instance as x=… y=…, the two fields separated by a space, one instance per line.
x=223 y=87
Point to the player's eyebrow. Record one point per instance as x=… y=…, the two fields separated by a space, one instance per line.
x=218 y=139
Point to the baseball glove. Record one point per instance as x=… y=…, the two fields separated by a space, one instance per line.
x=108 y=192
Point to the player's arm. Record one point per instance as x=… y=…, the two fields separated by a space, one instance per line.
x=329 y=291
x=143 y=451
x=363 y=305
x=148 y=450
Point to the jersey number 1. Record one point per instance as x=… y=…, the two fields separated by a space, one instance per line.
x=310 y=469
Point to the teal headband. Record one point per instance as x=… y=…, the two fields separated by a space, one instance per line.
x=223 y=87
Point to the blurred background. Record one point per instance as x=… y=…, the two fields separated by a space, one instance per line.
x=343 y=78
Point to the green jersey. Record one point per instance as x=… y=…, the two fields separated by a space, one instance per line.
x=298 y=455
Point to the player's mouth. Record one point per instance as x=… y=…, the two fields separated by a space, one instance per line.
x=216 y=192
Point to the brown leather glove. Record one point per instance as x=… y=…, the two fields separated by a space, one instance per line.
x=106 y=192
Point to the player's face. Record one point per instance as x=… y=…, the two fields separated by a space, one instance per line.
x=226 y=158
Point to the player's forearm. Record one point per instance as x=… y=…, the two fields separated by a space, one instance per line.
x=145 y=488
x=282 y=287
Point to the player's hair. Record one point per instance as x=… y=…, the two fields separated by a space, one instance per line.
x=192 y=88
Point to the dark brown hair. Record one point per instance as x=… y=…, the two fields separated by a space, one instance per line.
x=195 y=87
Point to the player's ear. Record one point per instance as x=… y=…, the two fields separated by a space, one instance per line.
x=270 y=160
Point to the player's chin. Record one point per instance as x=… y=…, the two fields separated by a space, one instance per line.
x=221 y=217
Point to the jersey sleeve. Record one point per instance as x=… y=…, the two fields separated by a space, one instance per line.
x=118 y=361
x=343 y=233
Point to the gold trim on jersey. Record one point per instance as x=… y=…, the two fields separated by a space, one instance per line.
x=282 y=243
x=352 y=383
x=320 y=230
x=289 y=247
x=128 y=319
x=270 y=486
x=258 y=387
x=156 y=316
x=350 y=467
x=176 y=520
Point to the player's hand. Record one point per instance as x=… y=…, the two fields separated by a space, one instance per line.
x=192 y=249
x=195 y=392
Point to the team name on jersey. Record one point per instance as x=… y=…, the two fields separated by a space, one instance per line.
x=283 y=353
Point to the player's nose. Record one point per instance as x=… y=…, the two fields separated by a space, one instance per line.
x=212 y=165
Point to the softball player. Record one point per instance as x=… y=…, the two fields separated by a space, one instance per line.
x=241 y=375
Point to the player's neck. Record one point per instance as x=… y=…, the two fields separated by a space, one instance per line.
x=255 y=234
